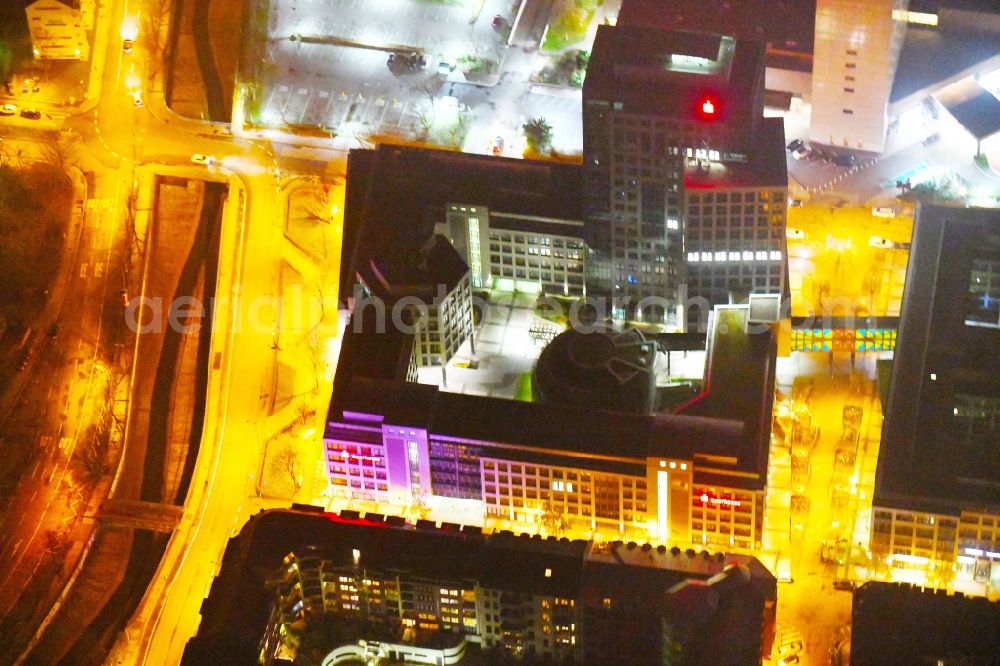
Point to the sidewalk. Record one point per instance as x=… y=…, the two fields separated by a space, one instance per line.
x=57 y=290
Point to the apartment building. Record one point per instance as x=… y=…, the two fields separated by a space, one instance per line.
x=367 y=588
x=58 y=31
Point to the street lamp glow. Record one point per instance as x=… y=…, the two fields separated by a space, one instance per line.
x=130 y=27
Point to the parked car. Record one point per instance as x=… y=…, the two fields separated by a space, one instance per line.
x=931 y=139
x=8 y=110
x=801 y=152
x=198 y=158
x=788 y=661
x=123 y=297
x=795 y=144
x=879 y=242
x=797 y=234
x=497 y=20
x=844 y=585
x=25 y=359
x=883 y=211
x=126 y=46
x=845 y=160
x=823 y=154
x=31 y=114
x=412 y=60
x=496 y=145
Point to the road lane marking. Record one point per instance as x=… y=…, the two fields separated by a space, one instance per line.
x=83 y=270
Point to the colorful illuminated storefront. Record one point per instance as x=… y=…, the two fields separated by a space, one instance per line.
x=654 y=499
x=843 y=340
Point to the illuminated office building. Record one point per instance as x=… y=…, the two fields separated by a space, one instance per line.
x=936 y=509
x=857 y=48
x=694 y=476
x=686 y=179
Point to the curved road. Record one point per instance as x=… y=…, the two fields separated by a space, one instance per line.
x=241 y=352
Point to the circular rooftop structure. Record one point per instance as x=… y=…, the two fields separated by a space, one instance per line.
x=602 y=368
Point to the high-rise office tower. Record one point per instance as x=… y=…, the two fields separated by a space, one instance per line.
x=686 y=180
x=936 y=508
x=856 y=50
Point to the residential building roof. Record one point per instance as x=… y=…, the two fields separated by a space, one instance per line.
x=895 y=624
x=237 y=609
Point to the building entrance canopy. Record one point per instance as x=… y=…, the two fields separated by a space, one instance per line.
x=973 y=106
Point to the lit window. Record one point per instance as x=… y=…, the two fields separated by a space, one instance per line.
x=747 y=255
x=720 y=255
x=693 y=256
x=548 y=573
x=775 y=255
x=982 y=304
x=734 y=256
x=706 y=256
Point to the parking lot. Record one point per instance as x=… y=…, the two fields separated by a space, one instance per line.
x=327 y=66
x=329 y=60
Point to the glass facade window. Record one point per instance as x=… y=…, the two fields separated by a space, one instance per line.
x=983 y=299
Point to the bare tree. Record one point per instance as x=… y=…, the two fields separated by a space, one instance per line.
x=90 y=456
x=134 y=241
x=286 y=462
x=153 y=35
x=427 y=84
x=554 y=519
x=419 y=509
